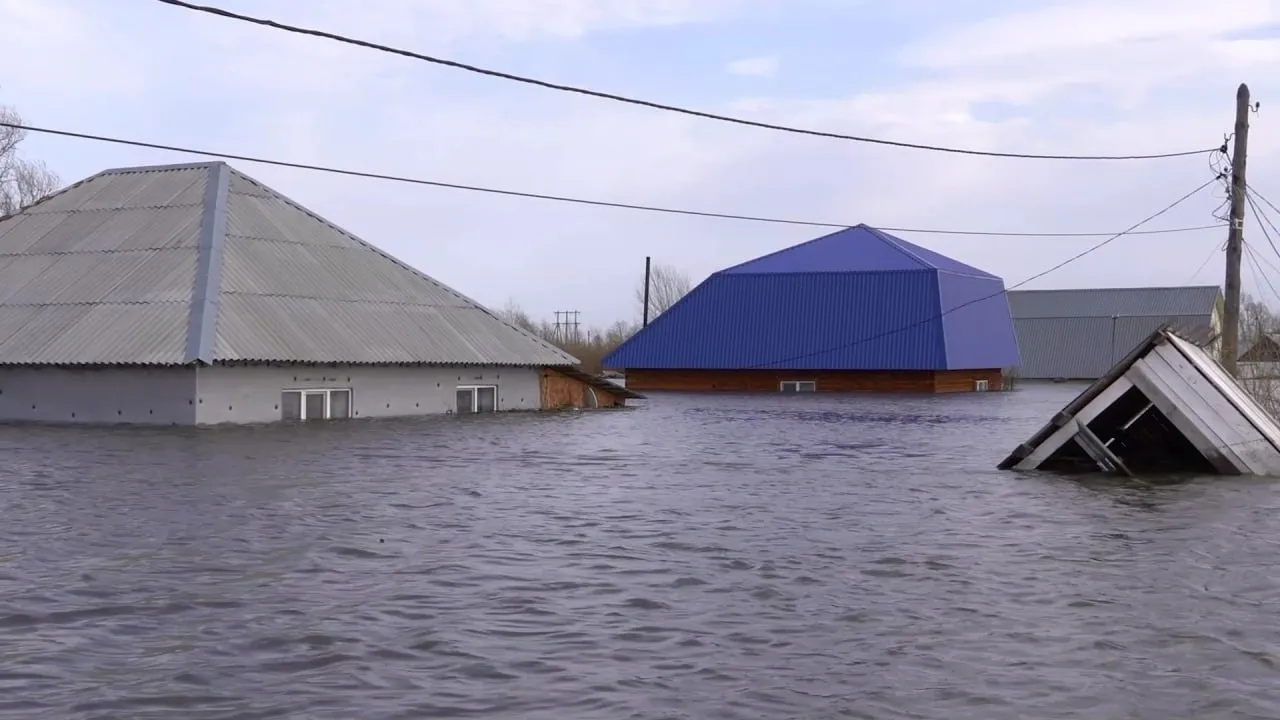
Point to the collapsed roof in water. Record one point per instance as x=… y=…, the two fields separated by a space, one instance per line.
x=1166 y=407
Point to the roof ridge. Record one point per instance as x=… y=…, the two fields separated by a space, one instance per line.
x=195 y=165
x=906 y=246
x=203 y=318
x=900 y=245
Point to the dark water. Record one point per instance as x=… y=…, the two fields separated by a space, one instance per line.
x=806 y=557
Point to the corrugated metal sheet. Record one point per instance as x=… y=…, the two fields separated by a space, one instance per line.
x=976 y=323
x=1131 y=331
x=278 y=220
x=94 y=334
x=104 y=272
x=324 y=272
x=1066 y=348
x=1085 y=348
x=819 y=321
x=857 y=249
x=344 y=300
x=260 y=328
x=858 y=299
x=1106 y=302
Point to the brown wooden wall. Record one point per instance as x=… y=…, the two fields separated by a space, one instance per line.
x=947 y=381
x=561 y=392
x=919 y=381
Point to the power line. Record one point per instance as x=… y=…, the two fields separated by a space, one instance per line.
x=557 y=198
x=1263 y=220
x=648 y=103
x=1259 y=195
x=1217 y=248
x=1259 y=276
x=1005 y=291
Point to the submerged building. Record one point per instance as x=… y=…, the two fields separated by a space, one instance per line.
x=193 y=294
x=1080 y=334
x=856 y=310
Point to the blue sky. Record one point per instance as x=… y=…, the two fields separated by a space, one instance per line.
x=1082 y=76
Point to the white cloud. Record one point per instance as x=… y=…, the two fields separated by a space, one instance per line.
x=1055 y=30
x=765 y=66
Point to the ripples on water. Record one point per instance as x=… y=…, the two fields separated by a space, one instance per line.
x=723 y=557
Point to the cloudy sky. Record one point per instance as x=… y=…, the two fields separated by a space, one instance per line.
x=1078 y=76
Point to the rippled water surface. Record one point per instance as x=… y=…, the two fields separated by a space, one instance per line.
x=698 y=557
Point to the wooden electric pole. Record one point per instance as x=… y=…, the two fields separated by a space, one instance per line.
x=645 y=322
x=1235 y=234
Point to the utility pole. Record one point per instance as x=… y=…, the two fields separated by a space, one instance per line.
x=1235 y=234
x=646 y=291
x=567 y=324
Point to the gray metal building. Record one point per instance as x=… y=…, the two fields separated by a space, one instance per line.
x=193 y=294
x=1080 y=334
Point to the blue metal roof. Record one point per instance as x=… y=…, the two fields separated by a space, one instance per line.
x=857 y=249
x=858 y=299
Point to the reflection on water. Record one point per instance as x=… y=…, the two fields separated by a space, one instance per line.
x=699 y=557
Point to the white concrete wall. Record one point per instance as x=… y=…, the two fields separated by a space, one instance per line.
x=251 y=394
x=151 y=396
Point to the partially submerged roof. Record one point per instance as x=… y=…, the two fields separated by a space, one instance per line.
x=599 y=382
x=191 y=263
x=1084 y=348
x=1166 y=407
x=1079 y=334
x=858 y=299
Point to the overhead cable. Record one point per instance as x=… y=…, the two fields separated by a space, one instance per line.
x=562 y=198
x=1262 y=219
x=1217 y=248
x=1128 y=231
x=264 y=22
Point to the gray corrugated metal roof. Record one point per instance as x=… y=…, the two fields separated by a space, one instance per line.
x=1107 y=302
x=1085 y=348
x=114 y=269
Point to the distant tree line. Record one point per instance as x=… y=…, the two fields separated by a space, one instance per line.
x=590 y=345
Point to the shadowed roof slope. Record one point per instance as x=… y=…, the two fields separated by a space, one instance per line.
x=175 y=264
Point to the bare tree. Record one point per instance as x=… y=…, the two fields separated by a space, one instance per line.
x=667 y=285
x=1256 y=320
x=22 y=181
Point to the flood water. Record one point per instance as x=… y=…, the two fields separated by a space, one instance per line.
x=699 y=557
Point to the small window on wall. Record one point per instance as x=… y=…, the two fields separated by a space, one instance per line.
x=477 y=398
x=798 y=386
x=315 y=404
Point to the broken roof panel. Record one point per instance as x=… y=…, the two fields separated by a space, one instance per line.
x=1166 y=407
x=248 y=274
